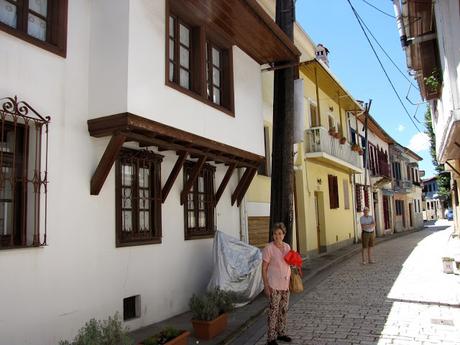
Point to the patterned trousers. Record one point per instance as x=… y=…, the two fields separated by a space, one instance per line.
x=277 y=314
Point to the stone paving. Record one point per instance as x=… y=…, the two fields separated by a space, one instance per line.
x=404 y=298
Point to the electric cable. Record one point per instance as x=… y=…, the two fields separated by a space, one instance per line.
x=378 y=9
x=381 y=65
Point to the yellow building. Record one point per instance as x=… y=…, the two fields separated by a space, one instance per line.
x=324 y=162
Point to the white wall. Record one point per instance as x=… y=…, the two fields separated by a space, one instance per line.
x=48 y=293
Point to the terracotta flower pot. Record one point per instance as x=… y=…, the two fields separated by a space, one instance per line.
x=337 y=135
x=179 y=340
x=343 y=140
x=209 y=329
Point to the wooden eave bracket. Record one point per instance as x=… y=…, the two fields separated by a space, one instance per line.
x=243 y=185
x=224 y=183
x=173 y=175
x=105 y=164
x=193 y=176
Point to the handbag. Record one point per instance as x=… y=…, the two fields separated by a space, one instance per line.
x=295 y=283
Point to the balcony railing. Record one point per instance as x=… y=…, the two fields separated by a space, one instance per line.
x=318 y=140
x=403 y=186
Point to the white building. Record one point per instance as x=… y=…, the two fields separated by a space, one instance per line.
x=115 y=208
x=433 y=55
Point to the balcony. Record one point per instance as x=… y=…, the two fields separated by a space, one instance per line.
x=403 y=186
x=321 y=146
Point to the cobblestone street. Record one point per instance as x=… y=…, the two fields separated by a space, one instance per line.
x=404 y=298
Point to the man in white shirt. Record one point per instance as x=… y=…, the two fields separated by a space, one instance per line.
x=367 y=235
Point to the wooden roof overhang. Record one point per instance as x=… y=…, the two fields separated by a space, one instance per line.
x=243 y=23
x=127 y=127
x=328 y=83
x=423 y=46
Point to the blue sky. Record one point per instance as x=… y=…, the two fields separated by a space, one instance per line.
x=332 y=23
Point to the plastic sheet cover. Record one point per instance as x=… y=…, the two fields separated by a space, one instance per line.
x=237 y=267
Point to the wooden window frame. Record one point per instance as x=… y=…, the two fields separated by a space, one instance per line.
x=139 y=157
x=56 y=33
x=198 y=78
x=333 y=191
x=208 y=174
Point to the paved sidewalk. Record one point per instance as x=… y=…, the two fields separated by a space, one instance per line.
x=250 y=316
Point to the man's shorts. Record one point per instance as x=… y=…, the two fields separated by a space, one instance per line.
x=367 y=239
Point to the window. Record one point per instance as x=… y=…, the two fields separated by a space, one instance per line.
x=23 y=175
x=199 y=207
x=353 y=136
x=314 y=118
x=358 y=196
x=264 y=168
x=397 y=170
x=196 y=64
x=138 y=198
x=40 y=22
x=333 y=191
x=332 y=124
x=399 y=206
x=346 y=196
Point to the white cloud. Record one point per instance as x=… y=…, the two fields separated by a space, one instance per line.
x=419 y=142
x=401 y=128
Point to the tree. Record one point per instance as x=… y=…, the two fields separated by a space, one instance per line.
x=443 y=178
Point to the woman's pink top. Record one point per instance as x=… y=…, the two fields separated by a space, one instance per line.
x=279 y=271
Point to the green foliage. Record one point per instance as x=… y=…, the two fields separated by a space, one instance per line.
x=443 y=178
x=212 y=304
x=433 y=82
x=107 y=332
x=163 y=337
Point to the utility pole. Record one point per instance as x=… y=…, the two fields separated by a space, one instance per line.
x=281 y=199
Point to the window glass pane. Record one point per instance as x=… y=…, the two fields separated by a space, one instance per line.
x=216 y=95
x=201 y=184
x=126 y=198
x=39 y=6
x=201 y=202
x=201 y=219
x=144 y=176
x=6 y=217
x=171 y=71
x=184 y=57
x=191 y=219
x=144 y=223
x=8 y=13
x=191 y=204
x=127 y=221
x=184 y=78
x=171 y=49
x=127 y=172
x=184 y=35
x=36 y=27
x=216 y=76
x=215 y=57
x=171 y=27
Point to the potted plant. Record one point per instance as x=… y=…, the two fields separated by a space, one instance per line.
x=433 y=82
x=209 y=311
x=107 y=332
x=167 y=336
x=343 y=140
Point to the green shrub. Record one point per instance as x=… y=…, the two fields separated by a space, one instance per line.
x=163 y=337
x=212 y=304
x=106 y=332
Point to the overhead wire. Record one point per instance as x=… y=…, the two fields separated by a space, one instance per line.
x=381 y=65
x=378 y=9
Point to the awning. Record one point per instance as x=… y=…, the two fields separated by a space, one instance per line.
x=243 y=23
x=128 y=127
x=327 y=82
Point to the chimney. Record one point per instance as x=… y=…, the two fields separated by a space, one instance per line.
x=321 y=54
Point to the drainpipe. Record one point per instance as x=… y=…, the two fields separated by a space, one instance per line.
x=353 y=204
x=400 y=23
x=243 y=216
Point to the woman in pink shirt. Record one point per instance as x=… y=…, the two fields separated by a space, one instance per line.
x=276 y=274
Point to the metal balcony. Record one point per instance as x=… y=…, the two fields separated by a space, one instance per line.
x=320 y=145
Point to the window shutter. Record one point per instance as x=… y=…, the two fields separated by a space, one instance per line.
x=331 y=191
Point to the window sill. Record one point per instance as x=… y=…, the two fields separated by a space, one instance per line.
x=199 y=237
x=22 y=247
x=61 y=51
x=138 y=243
x=199 y=98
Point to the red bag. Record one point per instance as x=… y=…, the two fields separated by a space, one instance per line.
x=294 y=259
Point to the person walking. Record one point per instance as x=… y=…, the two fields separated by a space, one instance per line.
x=276 y=274
x=367 y=235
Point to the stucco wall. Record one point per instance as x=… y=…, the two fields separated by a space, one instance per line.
x=50 y=292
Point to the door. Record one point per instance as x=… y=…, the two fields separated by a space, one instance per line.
x=320 y=229
x=386 y=212
x=411 y=221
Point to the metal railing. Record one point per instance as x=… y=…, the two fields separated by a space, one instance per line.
x=403 y=186
x=318 y=139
